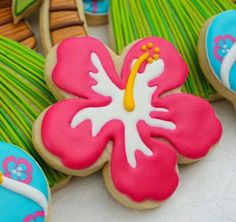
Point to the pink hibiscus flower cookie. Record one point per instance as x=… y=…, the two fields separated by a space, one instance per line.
x=124 y=114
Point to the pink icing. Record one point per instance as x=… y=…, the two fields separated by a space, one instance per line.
x=95 y=6
x=33 y=217
x=154 y=177
x=79 y=56
x=18 y=163
x=193 y=116
x=219 y=41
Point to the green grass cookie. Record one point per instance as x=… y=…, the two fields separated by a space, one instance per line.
x=23 y=96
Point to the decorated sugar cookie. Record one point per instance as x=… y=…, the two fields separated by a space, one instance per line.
x=24 y=189
x=23 y=8
x=217 y=53
x=61 y=19
x=20 y=32
x=125 y=114
x=96 y=11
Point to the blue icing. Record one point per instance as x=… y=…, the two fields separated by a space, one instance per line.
x=218 y=42
x=96 y=7
x=14 y=207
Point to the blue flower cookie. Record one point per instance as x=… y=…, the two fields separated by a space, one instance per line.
x=220 y=49
x=24 y=189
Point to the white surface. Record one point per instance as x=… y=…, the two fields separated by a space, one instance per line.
x=207 y=190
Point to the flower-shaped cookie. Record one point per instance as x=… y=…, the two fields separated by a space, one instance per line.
x=135 y=122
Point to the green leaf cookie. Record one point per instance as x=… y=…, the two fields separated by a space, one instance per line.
x=22 y=5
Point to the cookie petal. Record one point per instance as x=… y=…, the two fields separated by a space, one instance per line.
x=197 y=127
x=175 y=67
x=74 y=63
x=154 y=178
x=76 y=147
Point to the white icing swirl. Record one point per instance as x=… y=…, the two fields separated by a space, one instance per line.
x=25 y=190
x=227 y=65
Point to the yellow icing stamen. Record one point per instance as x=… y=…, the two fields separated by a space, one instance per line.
x=156 y=50
x=150 y=60
x=129 y=102
x=156 y=57
x=150 y=45
x=1 y=178
x=143 y=47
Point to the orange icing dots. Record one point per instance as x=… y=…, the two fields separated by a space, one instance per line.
x=154 y=55
x=150 y=45
x=150 y=60
x=156 y=50
x=143 y=47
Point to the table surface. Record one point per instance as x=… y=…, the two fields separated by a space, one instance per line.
x=207 y=190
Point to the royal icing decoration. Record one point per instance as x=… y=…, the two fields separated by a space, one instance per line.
x=221 y=48
x=148 y=126
x=23 y=186
x=99 y=7
x=22 y=5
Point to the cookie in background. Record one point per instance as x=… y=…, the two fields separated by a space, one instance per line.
x=217 y=53
x=20 y=32
x=60 y=19
x=24 y=190
x=123 y=114
x=23 y=8
x=96 y=12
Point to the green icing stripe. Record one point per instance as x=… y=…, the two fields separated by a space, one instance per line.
x=178 y=21
x=23 y=96
x=22 y=5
